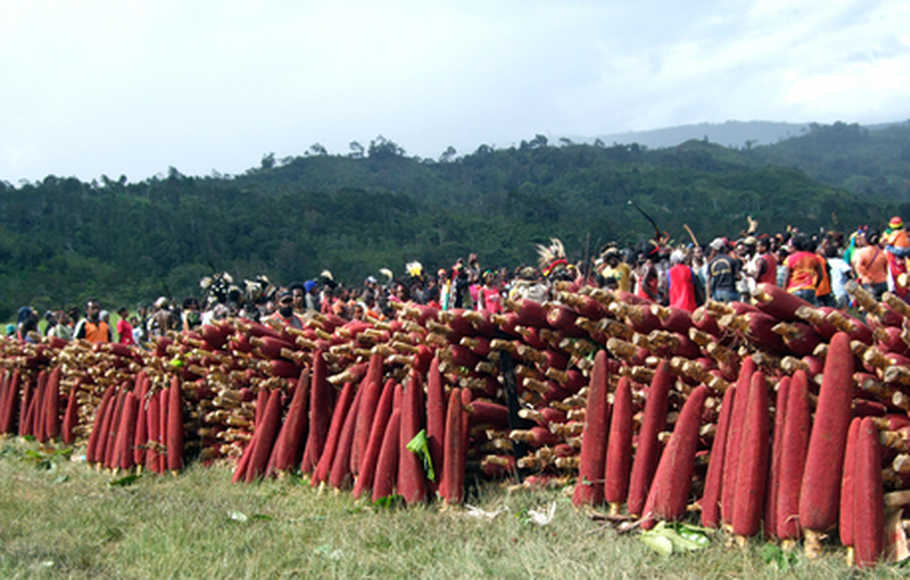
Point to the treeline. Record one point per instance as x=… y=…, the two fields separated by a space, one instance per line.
x=62 y=239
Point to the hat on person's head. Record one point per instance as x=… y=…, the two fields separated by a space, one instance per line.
x=749 y=241
x=370 y=279
x=309 y=285
x=896 y=223
x=718 y=244
x=161 y=302
x=284 y=293
x=10 y=329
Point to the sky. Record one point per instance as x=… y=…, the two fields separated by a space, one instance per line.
x=132 y=88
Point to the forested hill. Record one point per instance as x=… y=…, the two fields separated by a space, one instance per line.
x=868 y=160
x=62 y=240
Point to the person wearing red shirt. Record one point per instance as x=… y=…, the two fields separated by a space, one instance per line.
x=124 y=328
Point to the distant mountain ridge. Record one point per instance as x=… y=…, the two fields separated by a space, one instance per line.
x=735 y=134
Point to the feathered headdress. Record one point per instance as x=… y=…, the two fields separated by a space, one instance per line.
x=387 y=273
x=551 y=257
x=415 y=268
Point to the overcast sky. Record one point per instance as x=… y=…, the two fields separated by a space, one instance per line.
x=129 y=87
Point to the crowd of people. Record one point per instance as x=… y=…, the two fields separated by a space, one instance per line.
x=815 y=267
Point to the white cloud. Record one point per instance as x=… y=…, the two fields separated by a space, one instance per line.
x=132 y=87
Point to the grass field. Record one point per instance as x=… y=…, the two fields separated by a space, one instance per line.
x=60 y=518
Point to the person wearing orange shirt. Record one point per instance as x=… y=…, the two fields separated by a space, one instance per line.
x=871 y=264
x=92 y=328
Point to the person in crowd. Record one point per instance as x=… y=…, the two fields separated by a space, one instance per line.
x=645 y=276
x=681 y=283
x=489 y=297
x=27 y=325
x=310 y=297
x=803 y=269
x=124 y=328
x=616 y=273
x=723 y=270
x=897 y=250
x=62 y=327
x=840 y=273
x=190 y=317
x=764 y=266
x=91 y=327
x=284 y=314
x=824 y=294
x=138 y=332
x=870 y=263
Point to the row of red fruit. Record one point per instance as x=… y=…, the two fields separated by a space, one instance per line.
x=739 y=410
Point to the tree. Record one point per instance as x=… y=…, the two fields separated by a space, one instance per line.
x=268 y=161
x=565 y=142
x=356 y=150
x=447 y=155
x=382 y=148
x=317 y=150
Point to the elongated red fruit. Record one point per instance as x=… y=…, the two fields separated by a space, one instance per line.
x=411 y=478
x=752 y=468
x=267 y=430
x=845 y=525
x=387 y=463
x=123 y=449
x=27 y=427
x=589 y=489
x=710 y=501
x=11 y=402
x=436 y=421
x=163 y=410
x=454 y=454
x=669 y=492
x=320 y=414
x=91 y=452
x=734 y=434
x=175 y=427
x=648 y=453
x=70 y=418
x=340 y=472
x=780 y=415
x=262 y=401
x=288 y=450
x=52 y=404
x=868 y=507
x=321 y=473
x=777 y=302
x=371 y=386
x=24 y=406
x=793 y=457
x=113 y=425
x=142 y=427
x=367 y=469
x=618 y=464
x=820 y=489
x=243 y=464
x=154 y=424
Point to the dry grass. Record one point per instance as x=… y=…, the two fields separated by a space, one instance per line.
x=61 y=518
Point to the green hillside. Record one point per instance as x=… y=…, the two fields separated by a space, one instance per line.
x=62 y=239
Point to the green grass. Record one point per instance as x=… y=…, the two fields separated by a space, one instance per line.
x=59 y=518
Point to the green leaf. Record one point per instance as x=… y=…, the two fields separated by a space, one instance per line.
x=388 y=501
x=421 y=446
x=773 y=554
x=125 y=481
x=658 y=543
x=261 y=517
